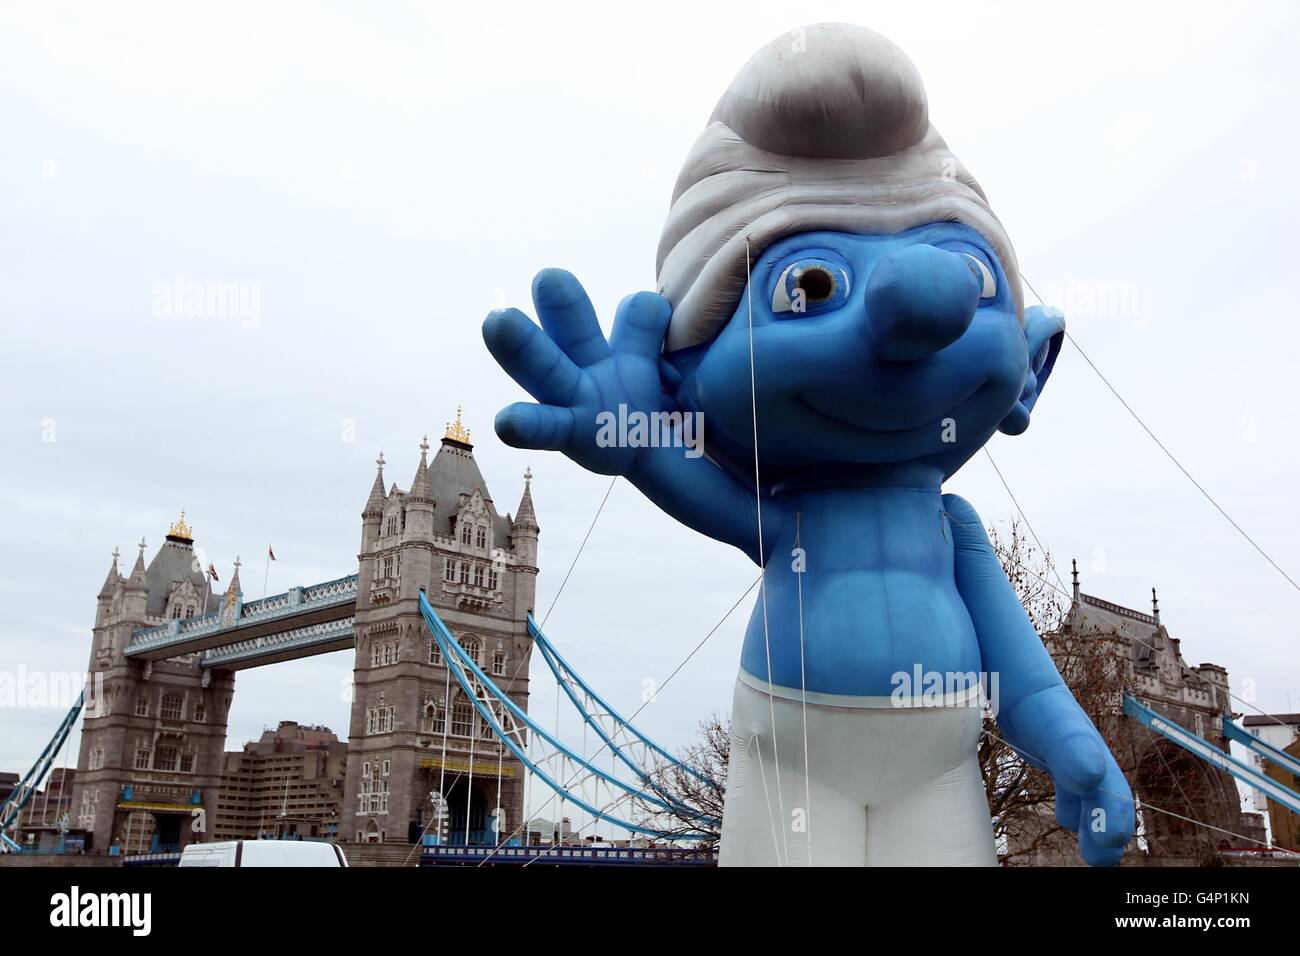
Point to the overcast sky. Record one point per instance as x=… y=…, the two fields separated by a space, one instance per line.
x=379 y=176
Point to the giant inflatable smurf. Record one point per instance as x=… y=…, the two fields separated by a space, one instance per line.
x=841 y=309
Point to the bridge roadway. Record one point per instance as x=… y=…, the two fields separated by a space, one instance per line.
x=298 y=623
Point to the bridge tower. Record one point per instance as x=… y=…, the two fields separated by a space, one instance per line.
x=415 y=738
x=154 y=732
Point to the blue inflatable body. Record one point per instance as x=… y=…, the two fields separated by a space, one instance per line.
x=867 y=353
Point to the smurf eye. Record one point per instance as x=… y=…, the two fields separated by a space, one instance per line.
x=988 y=285
x=810 y=285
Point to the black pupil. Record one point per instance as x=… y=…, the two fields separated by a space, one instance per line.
x=817 y=284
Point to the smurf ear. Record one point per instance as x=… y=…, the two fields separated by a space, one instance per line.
x=1044 y=335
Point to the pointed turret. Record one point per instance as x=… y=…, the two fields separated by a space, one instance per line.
x=111 y=585
x=420 y=483
x=375 y=503
x=137 y=581
x=135 y=593
x=523 y=541
x=110 y=582
x=525 y=517
x=234 y=587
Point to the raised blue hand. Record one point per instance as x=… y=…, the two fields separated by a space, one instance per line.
x=576 y=375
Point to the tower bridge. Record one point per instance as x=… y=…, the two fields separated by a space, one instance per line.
x=166 y=646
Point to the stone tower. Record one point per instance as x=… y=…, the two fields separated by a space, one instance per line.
x=416 y=744
x=153 y=733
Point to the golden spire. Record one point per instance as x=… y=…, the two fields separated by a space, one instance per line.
x=180 y=529
x=456 y=431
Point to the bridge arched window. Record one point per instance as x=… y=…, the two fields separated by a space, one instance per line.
x=462 y=718
x=189 y=610
x=473 y=647
x=464 y=573
x=498 y=663
x=200 y=711
x=142 y=706
x=478 y=575
x=165 y=758
x=485 y=731
x=465 y=531
x=449 y=572
x=171 y=707
x=176 y=611
x=480 y=537
x=435 y=653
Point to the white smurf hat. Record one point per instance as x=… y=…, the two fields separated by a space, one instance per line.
x=826 y=127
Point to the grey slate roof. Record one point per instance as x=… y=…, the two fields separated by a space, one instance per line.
x=453 y=472
x=173 y=563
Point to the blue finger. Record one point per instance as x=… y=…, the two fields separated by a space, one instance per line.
x=525 y=425
x=568 y=317
x=530 y=357
x=640 y=324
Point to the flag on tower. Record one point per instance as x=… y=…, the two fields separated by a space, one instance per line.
x=212 y=573
x=270 y=553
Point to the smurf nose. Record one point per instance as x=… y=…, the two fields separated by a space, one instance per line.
x=919 y=300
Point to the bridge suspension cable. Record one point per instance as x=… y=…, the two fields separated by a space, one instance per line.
x=637 y=751
x=516 y=729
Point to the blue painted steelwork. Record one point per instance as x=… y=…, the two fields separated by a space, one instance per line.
x=1211 y=754
x=562 y=670
x=569 y=856
x=458 y=660
x=1254 y=744
x=23 y=790
x=297 y=600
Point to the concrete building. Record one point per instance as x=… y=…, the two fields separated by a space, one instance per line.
x=1283 y=732
x=46 y=822
x=286 y=784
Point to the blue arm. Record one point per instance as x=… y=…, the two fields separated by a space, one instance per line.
x=1037 y=712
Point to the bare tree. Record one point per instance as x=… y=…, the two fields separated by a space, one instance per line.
x=695 y=787
x=1021 y=797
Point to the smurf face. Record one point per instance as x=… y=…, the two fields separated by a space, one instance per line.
x=869 y=353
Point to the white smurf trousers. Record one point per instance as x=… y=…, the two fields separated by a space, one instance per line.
x=884 y=785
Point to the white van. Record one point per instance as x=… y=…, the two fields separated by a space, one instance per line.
x=263 y=853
